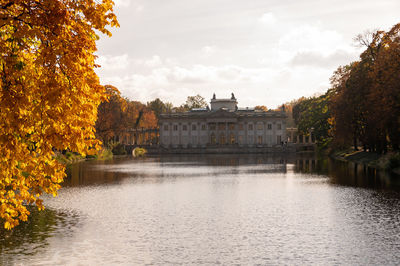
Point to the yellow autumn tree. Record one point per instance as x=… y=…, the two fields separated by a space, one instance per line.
x=49 y=94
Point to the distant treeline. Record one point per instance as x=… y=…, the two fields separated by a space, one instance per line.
x=362 y=107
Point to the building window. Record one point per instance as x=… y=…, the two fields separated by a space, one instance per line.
x=260 y=126
x=240 y=126
x=250 y=126
x=232 y=139
x=175 y=127
x=165 y=127
x=279 y=126
x=240 y=139
x=259 y=140
x=212 y=126
x=222 y=139
x=221 y=126
x=184 y=128
x=203 y=127
x=212 y=138
x=231 y=126
x=279 y=139
x=250 y=139
x=269 y=126
x=194 y=127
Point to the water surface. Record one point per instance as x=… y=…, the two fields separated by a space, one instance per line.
x=214 y=210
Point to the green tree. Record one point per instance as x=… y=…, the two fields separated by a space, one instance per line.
x=157 y=106
x=195 y=102
x=312 y=115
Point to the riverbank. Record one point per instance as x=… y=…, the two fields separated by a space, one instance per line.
x=70 y=157
x=389 y=162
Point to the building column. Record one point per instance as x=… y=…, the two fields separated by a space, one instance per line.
x=265 y=134
x=274 y=128
x=190 y=134
x=216 y=133
x=179 y=134
x=237 y=133
x=226 y=133
x=246 y=139
x=208 y=133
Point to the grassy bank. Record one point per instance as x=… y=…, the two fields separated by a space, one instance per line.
x=389 y=162
x=70 y=157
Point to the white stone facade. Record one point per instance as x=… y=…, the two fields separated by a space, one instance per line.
x=224 y=125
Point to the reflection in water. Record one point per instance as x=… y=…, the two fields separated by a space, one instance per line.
x=88 y=173
x=348 y=173
x=214 y=209
x=30 y=238
x=115 y=171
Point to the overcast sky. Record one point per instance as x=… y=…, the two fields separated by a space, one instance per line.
x=267 y=52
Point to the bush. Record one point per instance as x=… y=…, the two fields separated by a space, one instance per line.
x=394 y=162
x=68 y=157
x=119 y=149
x=139 y=152
x=104 y=154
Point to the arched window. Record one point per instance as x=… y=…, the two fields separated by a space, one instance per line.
x=213 y=140
x=222 y=139
x=232 y=138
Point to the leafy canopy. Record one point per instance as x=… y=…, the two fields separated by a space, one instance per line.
x=117 y=115
x=49 y=94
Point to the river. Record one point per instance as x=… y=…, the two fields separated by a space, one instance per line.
x=214 y=209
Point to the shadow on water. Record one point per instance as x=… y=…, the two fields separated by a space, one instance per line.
x=88 y=173
x=348 y=173
x=31 y=237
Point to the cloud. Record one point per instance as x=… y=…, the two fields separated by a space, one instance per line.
x=268 y=19
x=154 y=61
x=312 y=58
x=139 y=8
x=108 y=62
x=173 y=81
x=308 y=37
x=208 y=50
x=122 y=3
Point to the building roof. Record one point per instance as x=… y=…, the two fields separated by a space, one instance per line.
x=242 y=112
x=229 y=110
x=224 y=100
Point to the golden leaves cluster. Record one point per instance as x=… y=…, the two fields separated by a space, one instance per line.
x=49 y=94
x=118 y=114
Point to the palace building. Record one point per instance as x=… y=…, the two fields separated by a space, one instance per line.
x=224 y=125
